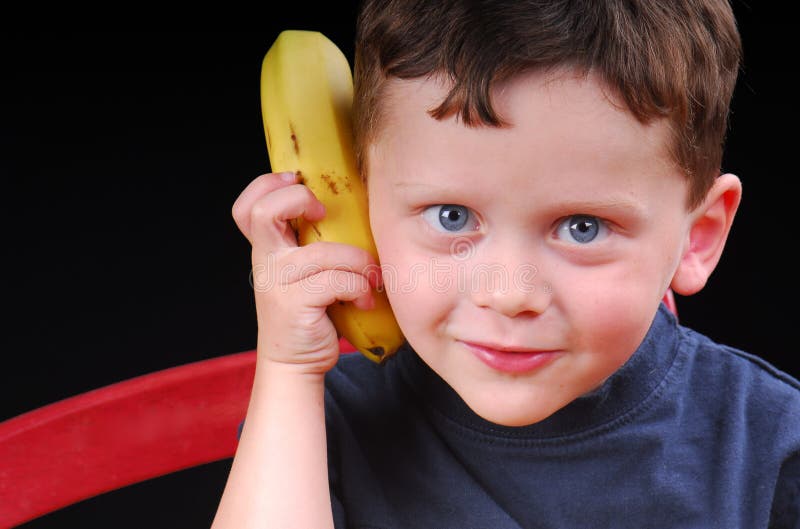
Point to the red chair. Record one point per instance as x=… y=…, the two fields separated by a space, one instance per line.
x=122 y=434
x=125 y=433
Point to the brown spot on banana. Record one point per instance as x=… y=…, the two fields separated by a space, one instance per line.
x=331 y=183
x=294 y=139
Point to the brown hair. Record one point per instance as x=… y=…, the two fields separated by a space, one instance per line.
x=675 y=59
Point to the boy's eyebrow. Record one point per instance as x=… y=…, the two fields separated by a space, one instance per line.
x=414 y=184
x=424 y=185
x=612 y=203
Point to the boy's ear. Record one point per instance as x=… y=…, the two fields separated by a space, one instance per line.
x=710 y=224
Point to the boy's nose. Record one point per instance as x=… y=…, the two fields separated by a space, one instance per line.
x=512 y=288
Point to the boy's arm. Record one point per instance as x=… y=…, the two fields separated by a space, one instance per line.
x=280 y=471
x=279 y=476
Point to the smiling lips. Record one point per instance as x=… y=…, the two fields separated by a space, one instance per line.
x=510 y=359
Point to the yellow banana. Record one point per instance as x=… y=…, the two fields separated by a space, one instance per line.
x=306 y=101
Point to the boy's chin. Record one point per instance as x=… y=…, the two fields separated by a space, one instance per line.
x=507 y=415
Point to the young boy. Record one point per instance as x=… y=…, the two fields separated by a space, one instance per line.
x=572 y=150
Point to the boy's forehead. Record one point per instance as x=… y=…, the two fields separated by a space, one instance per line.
x=578 y=108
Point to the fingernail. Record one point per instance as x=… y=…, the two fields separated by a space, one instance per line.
x=374 y=278
x=288 y=177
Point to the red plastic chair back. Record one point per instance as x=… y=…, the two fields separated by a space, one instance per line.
x=123 y=434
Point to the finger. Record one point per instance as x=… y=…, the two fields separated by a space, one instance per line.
x=260 y=186
x=323 y=255
x=332 y=286
x=270 y=215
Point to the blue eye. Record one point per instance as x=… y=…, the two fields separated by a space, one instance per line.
x=581 y=228
x=449 y=217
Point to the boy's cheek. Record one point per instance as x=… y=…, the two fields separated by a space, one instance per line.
x=615 y=319
x=419 y=290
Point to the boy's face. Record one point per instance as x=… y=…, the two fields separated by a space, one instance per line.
x=558 y=235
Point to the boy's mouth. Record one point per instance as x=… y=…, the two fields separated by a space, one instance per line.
x=511 y=359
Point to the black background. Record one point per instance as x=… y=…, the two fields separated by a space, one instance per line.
x=122 y=154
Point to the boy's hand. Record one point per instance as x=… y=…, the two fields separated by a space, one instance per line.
x=294 y=285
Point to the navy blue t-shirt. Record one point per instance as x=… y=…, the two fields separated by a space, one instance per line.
x=688 y=433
